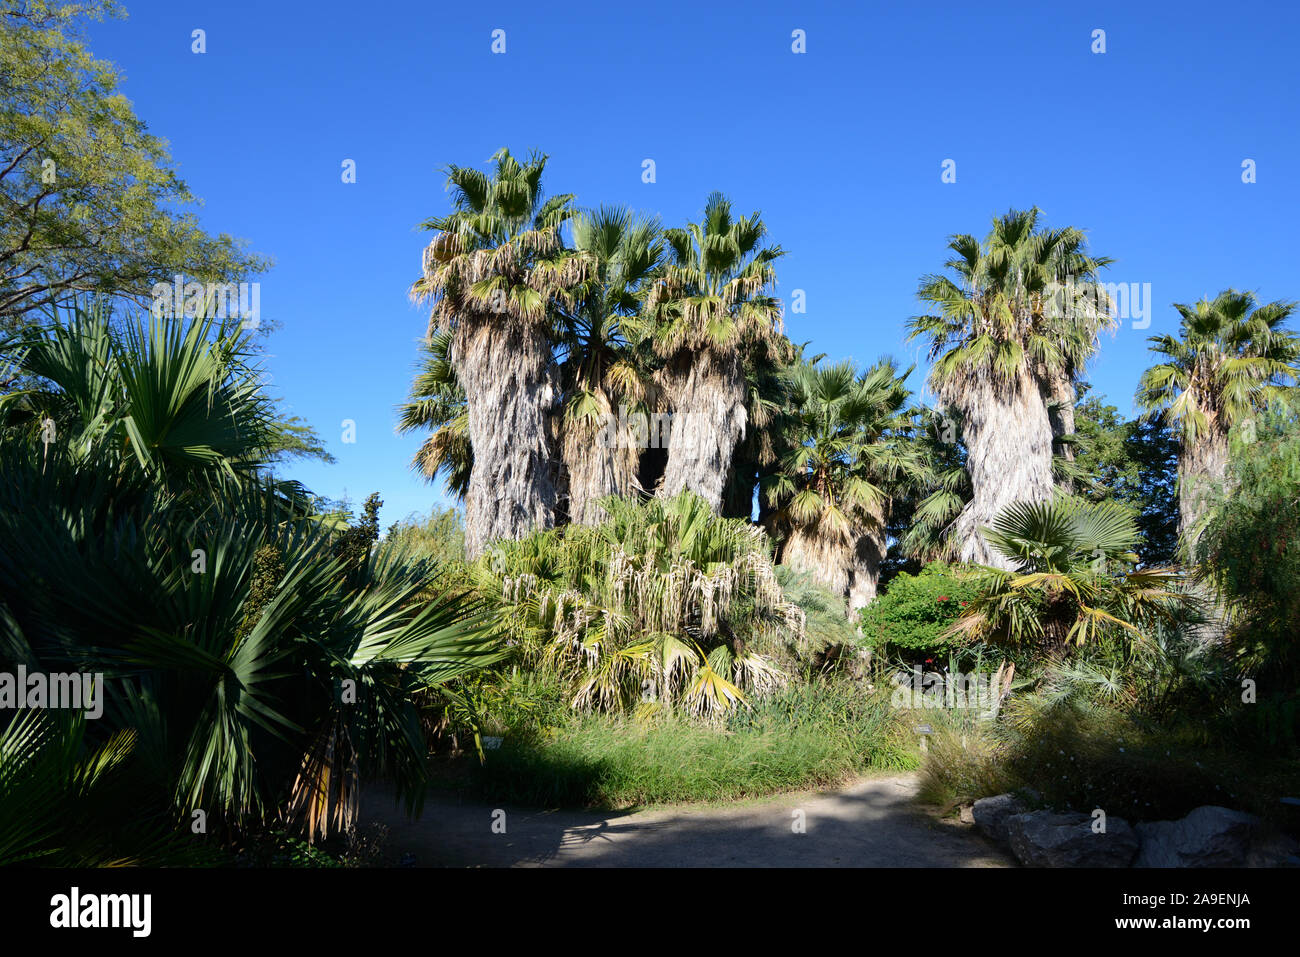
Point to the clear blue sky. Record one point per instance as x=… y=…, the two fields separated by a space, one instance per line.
x=841 y=148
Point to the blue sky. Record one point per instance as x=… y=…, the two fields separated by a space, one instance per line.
x=841 y=148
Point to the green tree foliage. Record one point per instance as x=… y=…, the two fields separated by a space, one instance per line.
x=1134 y=463
x=664 y=599
x=89 y=200
x=1252 y=548
x=1072 y=580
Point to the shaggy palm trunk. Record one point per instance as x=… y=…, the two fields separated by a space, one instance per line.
x=508 y=376
x=708 y=420
x=1009 y=453
x=826 y=558
x=601 y=459
x=1202 y=467
x=868 y=557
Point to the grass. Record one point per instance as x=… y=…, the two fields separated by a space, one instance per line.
x=810 y=735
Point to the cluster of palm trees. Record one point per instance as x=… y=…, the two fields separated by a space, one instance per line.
x=535 y=341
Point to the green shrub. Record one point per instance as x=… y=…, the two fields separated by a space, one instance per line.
x=916 y=610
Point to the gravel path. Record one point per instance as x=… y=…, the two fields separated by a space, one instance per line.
x=873 y=823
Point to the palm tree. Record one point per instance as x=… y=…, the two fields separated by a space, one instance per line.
x=928 y=511
x=1002 y=349
x=221 y=615
x=710 y=304
x=603 y=376
x=1230 y=359
x=664 y=600
x=437 y=403
x=492 y=270
x=768 y=422
x=849 y=448
x=1072 y=579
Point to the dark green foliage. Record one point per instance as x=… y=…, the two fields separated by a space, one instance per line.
x=213 y=604
x=353 y=546
x=1252 y=548
x=1134 y=463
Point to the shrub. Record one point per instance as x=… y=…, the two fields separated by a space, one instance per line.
x=916 y=610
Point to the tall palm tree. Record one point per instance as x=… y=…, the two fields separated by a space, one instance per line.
x=1231 y=357
x=603 y=376
x=712 y=301
x=1001 y=349
x=835 y=483
x=492 y=270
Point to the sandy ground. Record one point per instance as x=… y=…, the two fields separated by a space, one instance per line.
x=873 y=823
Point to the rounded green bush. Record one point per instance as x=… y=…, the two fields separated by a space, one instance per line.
x=916 y=610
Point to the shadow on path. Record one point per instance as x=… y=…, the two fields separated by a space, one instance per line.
x=873 y=823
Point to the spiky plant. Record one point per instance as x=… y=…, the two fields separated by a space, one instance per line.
x=662 y=600
x=712 y=301
x=1004 y=351
x=1231 y=358
x=259 y=675
x=1072 y=580
x=492 y=271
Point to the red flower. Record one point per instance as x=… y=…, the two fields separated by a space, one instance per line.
x=943 y=597
x=963 y=604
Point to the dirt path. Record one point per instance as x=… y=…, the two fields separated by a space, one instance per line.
x=873 y=823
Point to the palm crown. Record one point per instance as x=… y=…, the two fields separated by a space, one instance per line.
x=1004 y=308
x=499 y=251
x=1231 y=358
x=712 y=294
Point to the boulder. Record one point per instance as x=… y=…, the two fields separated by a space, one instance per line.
x=990 y=814
x=1207 y=837
x=1047 y=839
x=967 y=814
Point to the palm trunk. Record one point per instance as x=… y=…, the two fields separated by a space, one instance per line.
x=509 y=378
x=709 y=417
x=1202 y=467
x=868 y=558
x=1060 y=392
x=826 y=558
x=601 y=459
x=1008 y=440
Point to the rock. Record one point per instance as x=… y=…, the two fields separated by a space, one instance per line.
x=1207 y=837
x=1274 y=850
x=967 y=814
x=990 y=814
x=1047 y=839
